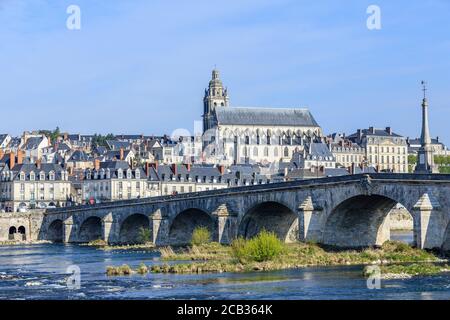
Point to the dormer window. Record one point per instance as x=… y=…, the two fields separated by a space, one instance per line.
x=102 y=174
x=120 y=174
x=137 y=173
x=129 y=174
x=51 y=176
x=22 y=176
x=108 y=174
x=32 y=176
x=42 y=176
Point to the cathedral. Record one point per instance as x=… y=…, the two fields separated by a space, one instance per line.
x=253 y=135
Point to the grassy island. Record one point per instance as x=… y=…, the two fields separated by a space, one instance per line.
x=266 y=252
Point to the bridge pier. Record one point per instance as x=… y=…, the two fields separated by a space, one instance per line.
x=428 y=227
x=110 y=229
x=309 y=226
x=68 y=227
x=225 y=225
x=160 y=228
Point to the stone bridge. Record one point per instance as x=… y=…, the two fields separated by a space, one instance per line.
x=347 y=211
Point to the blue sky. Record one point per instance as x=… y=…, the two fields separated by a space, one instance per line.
x=141 y=66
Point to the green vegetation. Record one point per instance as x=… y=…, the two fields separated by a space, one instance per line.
x=443 y=162
x=97 y=243
x=142 y=269
x=200 y=236
x=407 y=270
x=100 y=140
x=145 y=235
x=52 y=134
x=264 y=247
x=412 y=160
x=263 y=253
x=123 y=270
x=206 y=252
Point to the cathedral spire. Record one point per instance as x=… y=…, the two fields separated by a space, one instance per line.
x=425 y=161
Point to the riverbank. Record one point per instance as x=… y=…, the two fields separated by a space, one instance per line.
x=216 y=258
x=407 y=271
x=22 y=242
x=103 y=245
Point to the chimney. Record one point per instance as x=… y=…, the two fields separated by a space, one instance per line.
x=353 y=168
x=175 y=169
x=20 y=156
x=437 y=139
x=389 y=130
x=121 y=154
x=188 y=167
x=12 y=160
x=372 y=130
x=2 y=153
x=147 y=169
x=38 y=164
x=97 y=164
x=222 y=169
x=359 y=133
x=155 y=165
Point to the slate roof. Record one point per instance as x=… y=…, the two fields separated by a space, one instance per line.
x=417 y=141
x=3 y=137
x=80 y=156
x=116 y=145
x=319 y=150
x=115 y=154
x=33 y=143
x=27 y=168
x=376 y=132
x=114 y=167
x=265 y=116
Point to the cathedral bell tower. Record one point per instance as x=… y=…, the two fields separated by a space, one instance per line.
x=215 y=96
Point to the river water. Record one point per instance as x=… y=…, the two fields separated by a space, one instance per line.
x=40 y=272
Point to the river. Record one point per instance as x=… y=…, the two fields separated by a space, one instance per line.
x=39 y=272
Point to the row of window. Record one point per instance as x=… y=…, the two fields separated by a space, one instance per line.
x=398 y=150
x=6 y=176
x=106 y=174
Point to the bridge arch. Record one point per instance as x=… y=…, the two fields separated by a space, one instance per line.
x=90 y=229
x=185 y=222
x=130 y=228
x=446 y=240
x=359 y=221
x=55 y=231
x=271 y=216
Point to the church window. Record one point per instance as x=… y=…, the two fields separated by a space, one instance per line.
x=268 y=140
x=266 y=152
x=222 y=104
x=258 y=140
x=247 y=140
x=286 y=152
